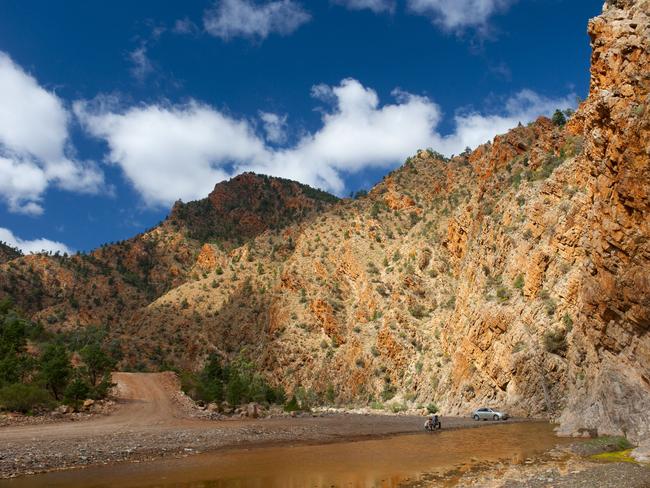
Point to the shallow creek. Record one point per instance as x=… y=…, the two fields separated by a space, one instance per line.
x=384 y=463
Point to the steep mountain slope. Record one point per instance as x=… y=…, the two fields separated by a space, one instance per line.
x=516 y=275
x=113 y=282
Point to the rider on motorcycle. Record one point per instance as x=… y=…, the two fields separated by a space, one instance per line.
x=433 y=422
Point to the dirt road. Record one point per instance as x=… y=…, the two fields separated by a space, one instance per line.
x=152 y=421
x=145 y=403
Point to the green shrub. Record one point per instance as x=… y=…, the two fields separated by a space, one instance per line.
x=330 y=394
x=76 y=392
x=450 y=304
x=418 y=311
x=546 y=169
x=292 y=405
x=519 y=346
x=615 y=443
x=503 y=294
x=397 y=407
x=555 y=341
x=388 y=392
x=568 y=322
x=519 y=282
x=550 y=306
x=24 y=398
x=432 y=408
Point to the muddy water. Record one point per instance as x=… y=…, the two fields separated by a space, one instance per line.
x=377 y=463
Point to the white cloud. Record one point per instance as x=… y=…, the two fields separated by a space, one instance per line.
x=171 y=152
x=34 y=143
x=377 y=6
x=473 y=128
x=141 y=65
x=458 y=14
x=244 y=18
x=21 y=184
x=181 y=151
x=33 y=246
x=274 y=126
x=357 y=133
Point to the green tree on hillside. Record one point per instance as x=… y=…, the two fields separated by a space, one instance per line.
x=14 y=360
x=56 y=369
x=558 y=118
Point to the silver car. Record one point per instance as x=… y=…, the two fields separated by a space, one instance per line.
x=488 y=414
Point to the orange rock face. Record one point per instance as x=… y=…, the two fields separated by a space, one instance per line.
x=207 y=259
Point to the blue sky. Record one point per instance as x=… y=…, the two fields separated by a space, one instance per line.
x=110 y=111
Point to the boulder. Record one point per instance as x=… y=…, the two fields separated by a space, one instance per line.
x=253 y=410
x=63 y=409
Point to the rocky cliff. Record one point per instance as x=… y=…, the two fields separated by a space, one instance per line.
x=612 y=345
x=516 y=276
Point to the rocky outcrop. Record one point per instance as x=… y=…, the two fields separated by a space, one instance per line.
x=614 y=293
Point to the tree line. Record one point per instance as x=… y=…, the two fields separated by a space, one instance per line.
x=36 y=366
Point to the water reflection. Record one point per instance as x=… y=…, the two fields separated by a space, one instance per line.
x=380 y=463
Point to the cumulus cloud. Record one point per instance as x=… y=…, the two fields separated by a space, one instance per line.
x=458 y=14
x=171 y=152
x=274 y=126
x=34 y=143
x=473 y=128
x=357 y=133
x=244 y=18
x=32 y=246
x=377 y=6
x=180 y=151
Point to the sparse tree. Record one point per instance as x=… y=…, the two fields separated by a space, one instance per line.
x=558 y=118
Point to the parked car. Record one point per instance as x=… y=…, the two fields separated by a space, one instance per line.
x=488 y=414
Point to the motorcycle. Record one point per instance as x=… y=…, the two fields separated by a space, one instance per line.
x=431 y=425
